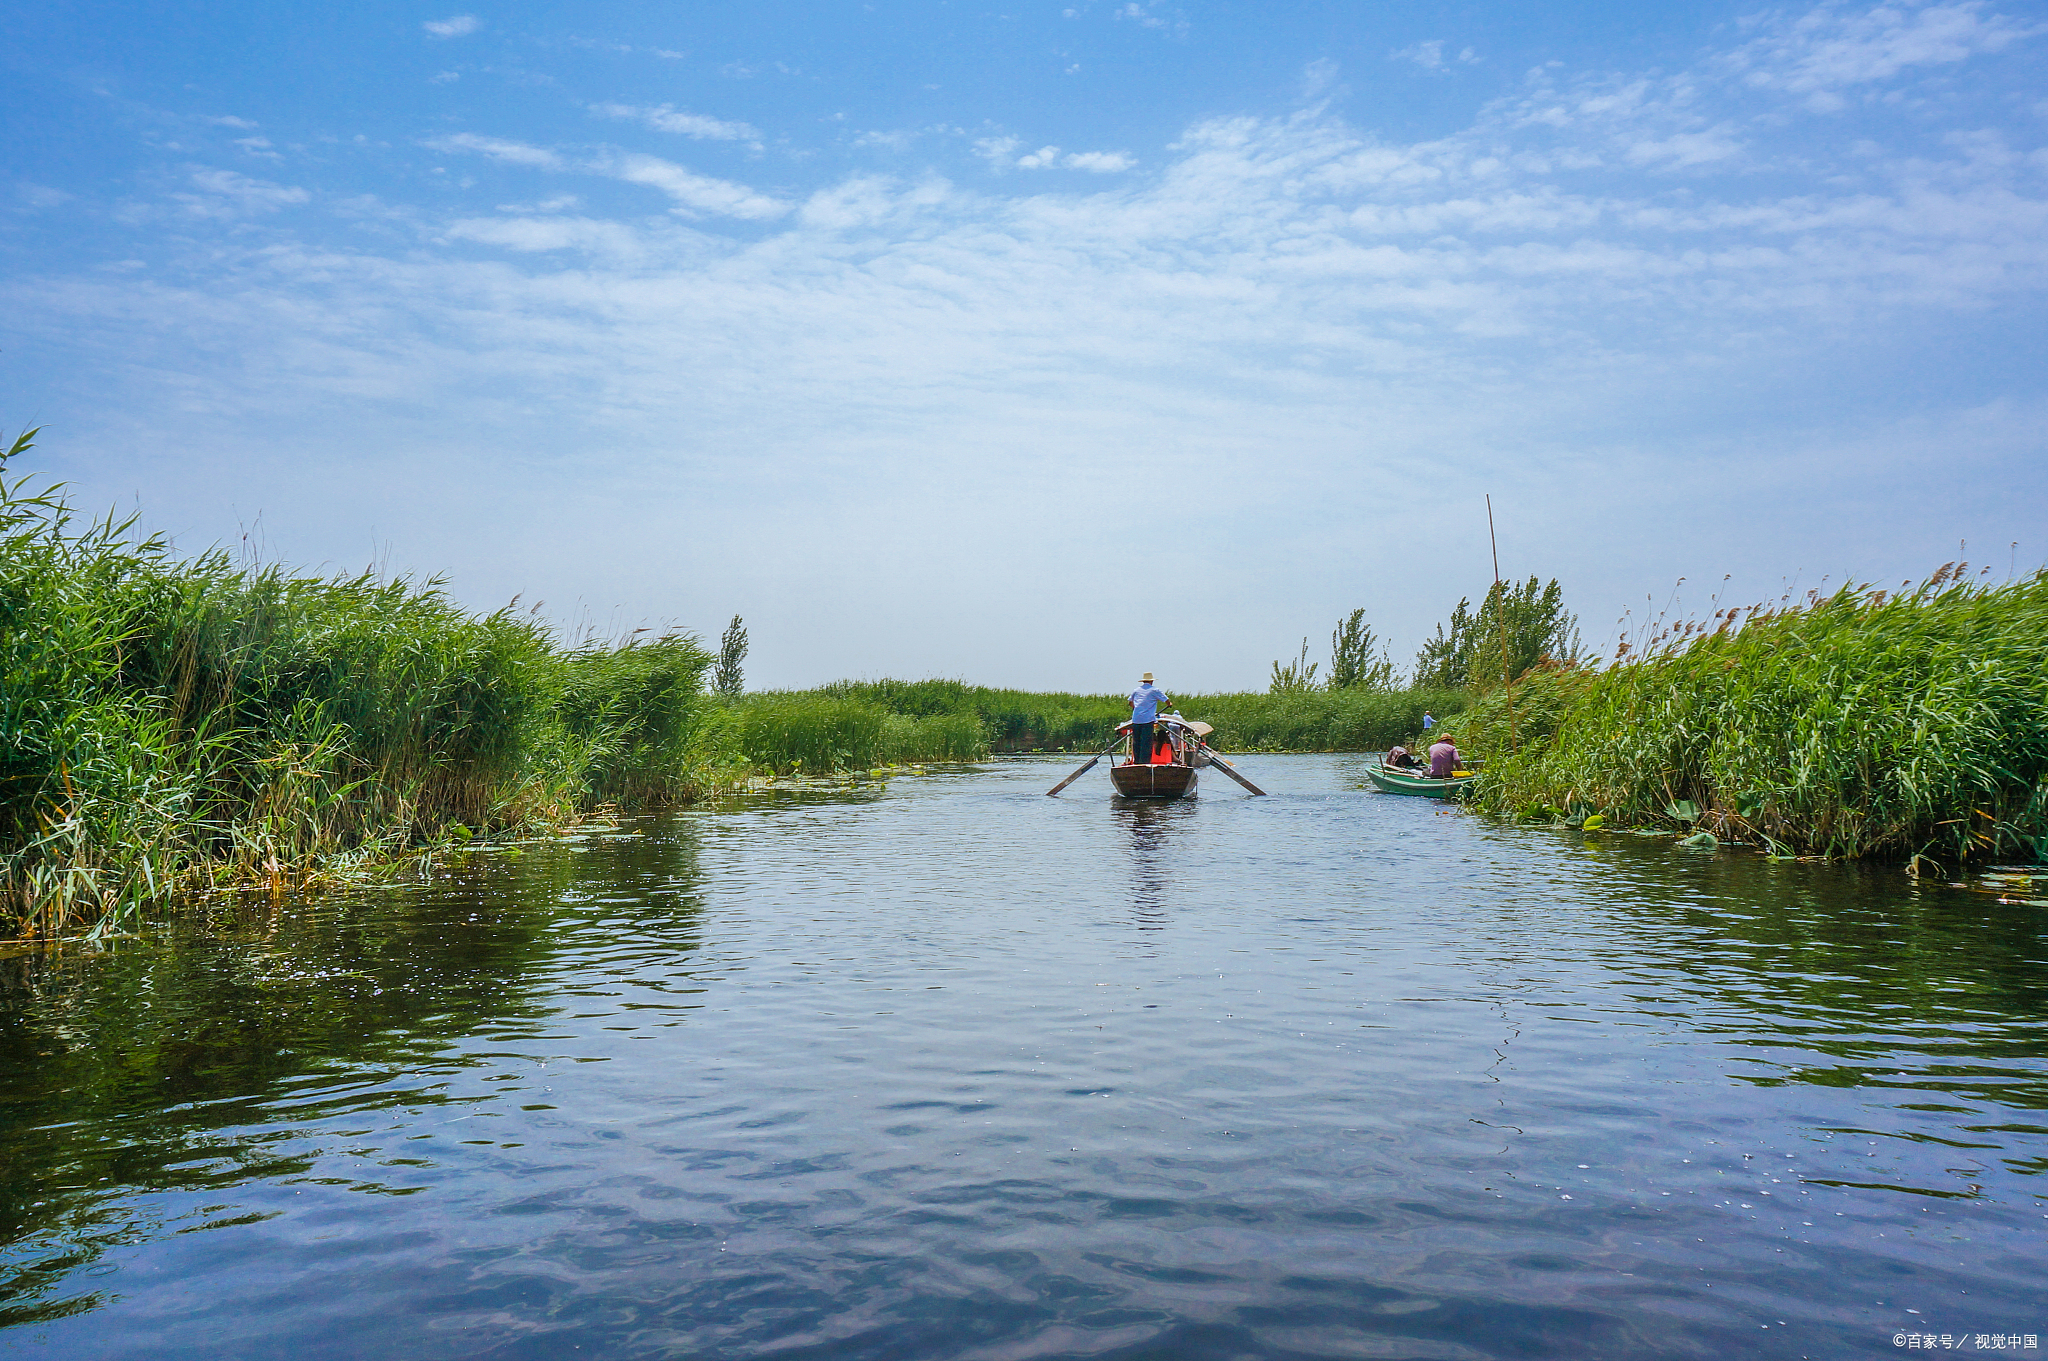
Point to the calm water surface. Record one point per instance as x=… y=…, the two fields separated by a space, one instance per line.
x=957 y=1070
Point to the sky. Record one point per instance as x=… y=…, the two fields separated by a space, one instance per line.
x=1039 y=344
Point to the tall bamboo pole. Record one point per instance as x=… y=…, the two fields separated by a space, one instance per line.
x=1500 y=614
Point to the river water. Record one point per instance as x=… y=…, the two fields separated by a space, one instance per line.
x=951 y=1069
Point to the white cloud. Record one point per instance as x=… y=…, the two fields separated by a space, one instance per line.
x=531 y=234
x=667 y=118
x=230 y=121
x=1042 y=159
x=456 y=26
x=900 y=140
x=559 y=203
x=1832 y=47
x=1428 y=55
x=997 y=150
x=692 y=192
x=1147 y=15
x=1100 y=162
x=498 y=149
x=225 y=195
x=39 y=196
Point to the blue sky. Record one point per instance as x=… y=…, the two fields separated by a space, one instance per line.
x=1040 y=344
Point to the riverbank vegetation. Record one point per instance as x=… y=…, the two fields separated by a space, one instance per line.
x=186 y=722
x=1910 y=726
x=174 y=722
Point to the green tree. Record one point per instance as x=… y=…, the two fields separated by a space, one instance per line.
x=728 y=679
x=1297 y=676
x=1442 y=662
x=1355 y=662
x=1529 y=618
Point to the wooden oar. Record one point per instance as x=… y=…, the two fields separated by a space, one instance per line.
x=1085 y=769
x=1230 y=770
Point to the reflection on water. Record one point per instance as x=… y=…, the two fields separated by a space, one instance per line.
x=959 y=1070
x=1153 y=831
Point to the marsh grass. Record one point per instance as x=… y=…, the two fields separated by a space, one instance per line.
x=819 y=731
x=1909 y=726
x=174 y=723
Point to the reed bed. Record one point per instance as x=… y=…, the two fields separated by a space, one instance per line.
x=819 y=732
x=177 y=723
x=1863 y=724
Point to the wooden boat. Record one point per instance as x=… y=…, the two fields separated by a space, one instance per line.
x=1391 y=780
x=1134 y=781
x=1173 y=779
x=1152 y=780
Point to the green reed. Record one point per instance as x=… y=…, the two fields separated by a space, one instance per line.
x=1909 y=726
x=818 y=731
x=173 y=723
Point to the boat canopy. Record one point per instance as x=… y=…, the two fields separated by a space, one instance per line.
x=1198 y=729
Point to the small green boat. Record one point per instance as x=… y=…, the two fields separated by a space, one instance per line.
x=1389 y=780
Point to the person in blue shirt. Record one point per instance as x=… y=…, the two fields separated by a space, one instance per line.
x=1146 y=702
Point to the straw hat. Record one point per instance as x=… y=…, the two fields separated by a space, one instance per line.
x=1147 y=678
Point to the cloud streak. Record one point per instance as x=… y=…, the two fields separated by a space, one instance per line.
x=456 y=26
x=693 y=194
x=667 y=118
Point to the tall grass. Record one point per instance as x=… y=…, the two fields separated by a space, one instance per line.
x=1863 y=724
x=172 y=722
x=816 y=731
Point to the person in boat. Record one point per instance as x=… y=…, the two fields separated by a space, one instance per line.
x=1400 y=758
x=1443 y=757
x=1146 y=702
x=1162 y=745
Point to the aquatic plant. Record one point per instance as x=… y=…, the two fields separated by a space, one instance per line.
x=1911 y=726
x=817 y=731
x=171 y=722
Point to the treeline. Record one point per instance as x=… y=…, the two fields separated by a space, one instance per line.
x=1909 y=726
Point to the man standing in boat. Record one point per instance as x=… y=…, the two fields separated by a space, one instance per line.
x=1146 y=702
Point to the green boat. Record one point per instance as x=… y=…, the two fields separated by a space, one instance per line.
x=1389 y=780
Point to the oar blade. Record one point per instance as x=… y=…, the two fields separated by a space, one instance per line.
x=1231 y=770
x=1073 y=777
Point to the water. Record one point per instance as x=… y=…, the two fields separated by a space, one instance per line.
x=957 y=1070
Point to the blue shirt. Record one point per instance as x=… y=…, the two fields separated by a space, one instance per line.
x=1145 y=702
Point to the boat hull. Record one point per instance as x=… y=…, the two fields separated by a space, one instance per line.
x=1152 y=782
x=1420 y=786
